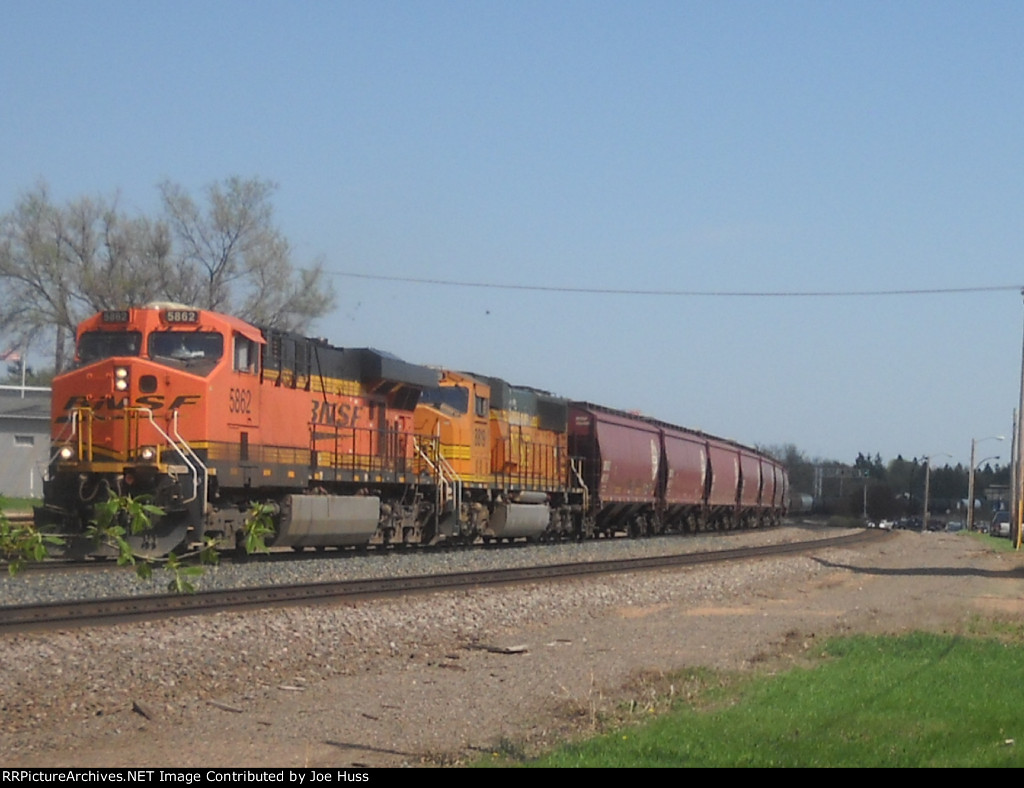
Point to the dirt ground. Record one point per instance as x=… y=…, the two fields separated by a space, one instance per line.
x=554 y=674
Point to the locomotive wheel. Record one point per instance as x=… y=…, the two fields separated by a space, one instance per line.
x=78 y=548
x=169 y=534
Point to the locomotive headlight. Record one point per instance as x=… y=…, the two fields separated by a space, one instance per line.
x=147 y=453
x=66 y=453
x=121 y=378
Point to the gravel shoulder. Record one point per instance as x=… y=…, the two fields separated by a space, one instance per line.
x=439 y=679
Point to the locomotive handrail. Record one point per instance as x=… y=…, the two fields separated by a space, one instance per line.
x=184 y=450
x=199 y=462
x=58 y=440
x=450 y=483
x=85 y=434
x=576 y=466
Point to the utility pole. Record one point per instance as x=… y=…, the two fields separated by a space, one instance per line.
x=970 y=478
x=1018 y=477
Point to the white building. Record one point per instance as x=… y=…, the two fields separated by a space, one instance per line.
x=24 y=440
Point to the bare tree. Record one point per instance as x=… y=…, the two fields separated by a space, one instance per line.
x=60 y=264
x=233 y=259
x=121 y=261
x=37 y=286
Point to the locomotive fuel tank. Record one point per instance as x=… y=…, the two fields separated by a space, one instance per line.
x=515 y=520
x=327 y=520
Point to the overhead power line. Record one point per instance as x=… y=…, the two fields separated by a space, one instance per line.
x=682 y=293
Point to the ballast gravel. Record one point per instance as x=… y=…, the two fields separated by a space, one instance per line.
x=440 y=679
x=310 y=567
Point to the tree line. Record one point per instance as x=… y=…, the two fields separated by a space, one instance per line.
x=889 y=490
x=59 y=263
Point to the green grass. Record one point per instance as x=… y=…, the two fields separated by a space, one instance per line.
x=9 y=504
x=999 y=544
x=922 y=700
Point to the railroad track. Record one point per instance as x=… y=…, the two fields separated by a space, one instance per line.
x=62 y=615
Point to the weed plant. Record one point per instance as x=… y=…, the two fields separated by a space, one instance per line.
x=11 y=505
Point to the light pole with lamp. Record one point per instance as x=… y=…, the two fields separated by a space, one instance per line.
x=970 y=478
x=927 y=481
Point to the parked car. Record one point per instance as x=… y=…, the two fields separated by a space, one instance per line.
x=1000 y=524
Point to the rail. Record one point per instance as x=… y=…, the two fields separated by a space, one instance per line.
x=93 y=612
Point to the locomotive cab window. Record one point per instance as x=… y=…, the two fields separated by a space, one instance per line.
x=195 y=351
x=246 y=355
x=454 y=399
x=98 y=345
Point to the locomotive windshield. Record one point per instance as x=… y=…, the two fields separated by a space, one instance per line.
x=455 y=398
x=98 y=345
x=196 y=351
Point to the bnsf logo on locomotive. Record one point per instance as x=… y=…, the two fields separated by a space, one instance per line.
x=337 y=414
x=151 y=401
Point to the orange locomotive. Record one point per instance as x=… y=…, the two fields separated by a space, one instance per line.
x=504 y=451
x=207 y=415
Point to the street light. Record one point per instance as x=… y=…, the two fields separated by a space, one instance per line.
x=970 y=479
x=927 y=480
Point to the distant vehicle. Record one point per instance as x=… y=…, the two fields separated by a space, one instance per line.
x=1000 y=524
x=953 y=526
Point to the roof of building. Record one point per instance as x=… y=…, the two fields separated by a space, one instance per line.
x=31 y=402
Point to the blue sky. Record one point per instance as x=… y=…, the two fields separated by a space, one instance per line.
x=689 y=147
